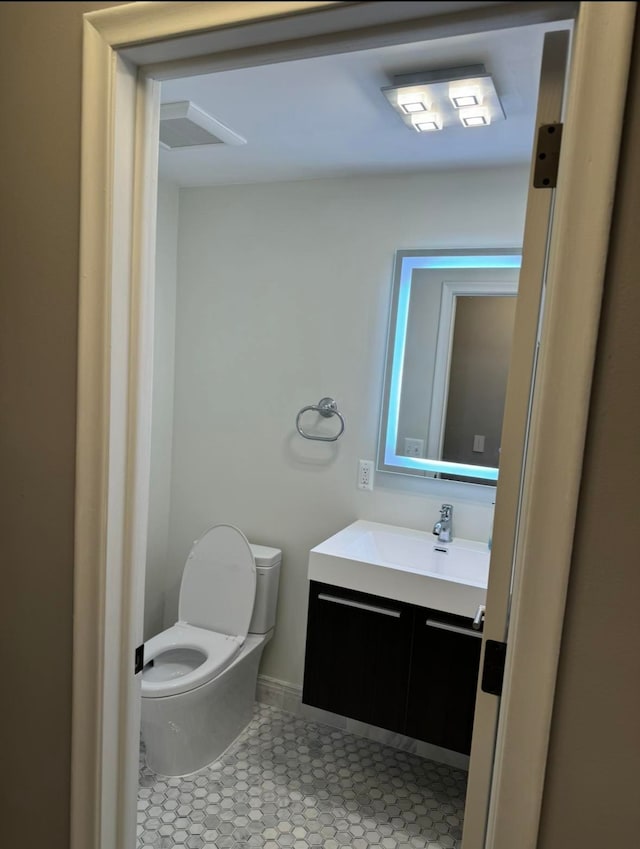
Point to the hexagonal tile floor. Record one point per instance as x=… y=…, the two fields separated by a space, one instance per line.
x=287 y=783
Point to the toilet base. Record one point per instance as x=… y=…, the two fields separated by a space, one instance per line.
x=188 y=731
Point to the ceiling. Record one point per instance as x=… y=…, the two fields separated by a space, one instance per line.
x=326 y=116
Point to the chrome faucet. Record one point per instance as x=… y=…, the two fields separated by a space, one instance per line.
x=443 y=528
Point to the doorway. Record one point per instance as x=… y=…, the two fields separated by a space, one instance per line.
x=124 y=83
x=278 y=239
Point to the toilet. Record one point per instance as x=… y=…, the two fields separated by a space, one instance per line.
x=199 y=677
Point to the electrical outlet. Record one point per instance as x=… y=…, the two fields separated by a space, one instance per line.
x=414 y=447
x=365 y=474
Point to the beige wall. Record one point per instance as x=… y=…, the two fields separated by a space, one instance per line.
x=592 y=794
x=593 y=773
x=40 y=65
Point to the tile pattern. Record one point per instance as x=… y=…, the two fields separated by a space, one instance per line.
x=289 y=698
x=287 y=783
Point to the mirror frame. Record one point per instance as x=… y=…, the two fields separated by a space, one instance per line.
x=405 y=263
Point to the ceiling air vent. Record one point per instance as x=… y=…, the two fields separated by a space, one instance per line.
x=183 y=124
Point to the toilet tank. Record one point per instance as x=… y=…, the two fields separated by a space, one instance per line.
x=267 y=578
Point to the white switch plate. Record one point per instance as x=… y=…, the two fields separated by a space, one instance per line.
x=413 y=447
x=365 y=474
x=478 y=443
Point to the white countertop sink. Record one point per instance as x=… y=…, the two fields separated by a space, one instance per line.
x=405 y=565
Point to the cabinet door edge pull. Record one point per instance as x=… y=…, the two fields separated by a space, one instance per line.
x=444 y=626
x=360 y=605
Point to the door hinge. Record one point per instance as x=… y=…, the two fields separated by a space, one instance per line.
x=493 y=669
x=138 y=659
x=545 y=171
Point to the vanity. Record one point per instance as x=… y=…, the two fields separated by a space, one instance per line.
x=390 y=640
x=390 y=636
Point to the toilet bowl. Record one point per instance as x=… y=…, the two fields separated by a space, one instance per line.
x=199 y=677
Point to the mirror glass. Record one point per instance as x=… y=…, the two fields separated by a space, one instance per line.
x=448 y=351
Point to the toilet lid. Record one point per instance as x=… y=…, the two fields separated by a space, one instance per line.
x=219 y=582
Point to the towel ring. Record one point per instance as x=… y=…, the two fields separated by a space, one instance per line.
x=327 y=407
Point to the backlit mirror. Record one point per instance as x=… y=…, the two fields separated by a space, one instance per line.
x=448 y=350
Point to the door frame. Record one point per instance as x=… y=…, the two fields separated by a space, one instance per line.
x=127 y=49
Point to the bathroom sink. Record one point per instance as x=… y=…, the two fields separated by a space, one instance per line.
x=404 y=564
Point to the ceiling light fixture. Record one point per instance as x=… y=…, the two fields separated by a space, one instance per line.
x=425 y=122
x=465 y=95
x=475 y=116
x=436 y=100
x=411 y=103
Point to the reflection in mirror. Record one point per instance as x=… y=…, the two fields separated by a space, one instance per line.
x=448 y=352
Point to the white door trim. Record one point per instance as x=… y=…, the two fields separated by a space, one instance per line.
x=515 y=432
x=114 y=359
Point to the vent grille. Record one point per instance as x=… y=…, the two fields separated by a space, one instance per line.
x=183 y=124
x=181 y=132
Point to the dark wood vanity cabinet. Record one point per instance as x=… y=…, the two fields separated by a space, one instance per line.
x=356 y=663
x=391 y=664
x=445 y=658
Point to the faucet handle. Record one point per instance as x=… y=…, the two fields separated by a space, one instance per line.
x=446 y=511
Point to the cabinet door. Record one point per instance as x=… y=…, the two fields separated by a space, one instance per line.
x=357 y=655
x=442 y=687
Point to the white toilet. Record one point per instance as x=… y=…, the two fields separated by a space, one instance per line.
x=199 y=679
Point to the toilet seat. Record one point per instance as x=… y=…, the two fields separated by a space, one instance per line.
x=217 y=595
x=218 y=588
x=162 y=680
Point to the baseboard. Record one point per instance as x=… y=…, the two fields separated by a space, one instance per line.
x=288 y=697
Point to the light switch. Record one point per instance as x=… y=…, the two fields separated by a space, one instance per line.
x=478 y=443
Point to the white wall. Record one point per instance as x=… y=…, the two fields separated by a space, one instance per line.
x=162 y=409
x=283 y=298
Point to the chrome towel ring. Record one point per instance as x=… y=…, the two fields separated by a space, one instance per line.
x=327 y=407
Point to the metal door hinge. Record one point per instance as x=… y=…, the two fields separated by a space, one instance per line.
x=545 y=172
x=138 y=659
x=493 y=669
